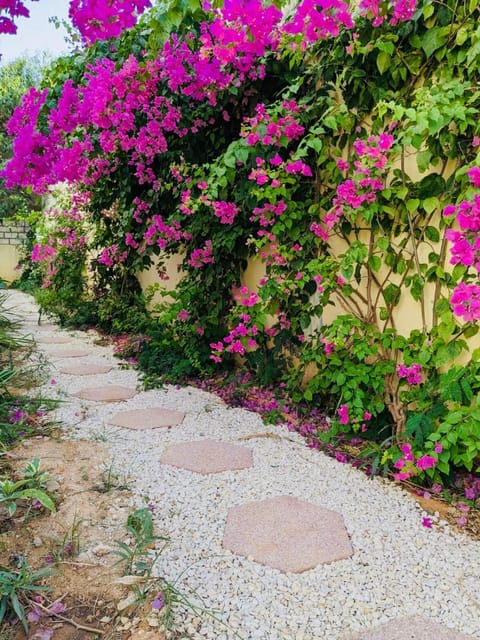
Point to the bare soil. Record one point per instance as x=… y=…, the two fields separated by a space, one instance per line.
x=92 y=509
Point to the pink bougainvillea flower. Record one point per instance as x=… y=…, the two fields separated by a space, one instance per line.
x=343 y=414
x=427 y=522
x=474 y=176
x=406 y=449
x=402 y=475
x=426 y=462
x=465 y=301
x=104 y=19
x=412 y=374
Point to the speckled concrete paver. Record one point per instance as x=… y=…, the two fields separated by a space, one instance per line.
x=53 y=339
x=108 y=393
x=412 y=628
x=207 y=456
x=34 y=327
x=59 y=354
x=154 y=418
x=287 y=534
x=86 y=369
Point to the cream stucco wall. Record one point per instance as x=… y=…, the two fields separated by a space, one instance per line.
x=9 y=257
x=151 y=278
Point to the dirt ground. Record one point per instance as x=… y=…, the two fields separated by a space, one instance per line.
x=92 y=510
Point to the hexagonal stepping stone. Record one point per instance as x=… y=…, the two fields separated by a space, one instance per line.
x=153 y=418
x=53 y=339
x=207 y=456
x=69 y=353
x=85 y=369
x=410 y=628
x=28 y=326
x=108 y=393
x=287 y=534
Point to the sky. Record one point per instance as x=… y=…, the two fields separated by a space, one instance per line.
x=35 y=34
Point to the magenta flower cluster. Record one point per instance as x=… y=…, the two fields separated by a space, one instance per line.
x=9 y=11
x=412 y=374
x=465 y=250
x=408 y=465
x=378 y=10
x=103 y=19
x=368 y=167
x=95 y=19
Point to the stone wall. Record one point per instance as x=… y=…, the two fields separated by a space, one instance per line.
x=12 y=233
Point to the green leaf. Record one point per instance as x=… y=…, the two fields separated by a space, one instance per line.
x=384 y=62
x=412 y=205
x=330 y=122
x=375 y=263
x=430 y=204
x=316 y=144
x=388 y=46
x=229 y=160
x=423 y=160
x=458 y=272
x=432 y=233
x=434 y=39
x=443 y=466
x=442 y=306
x=242 y=154
x=305 y=321
x=417 y=287
x=41 y=496
x=428 y=11
x=461 y=37
x=391 y=294
x=382 y=243
x=17 y=607
x=431 y=185
x=3 y=607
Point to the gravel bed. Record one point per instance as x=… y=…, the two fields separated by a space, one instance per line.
x=398 y=567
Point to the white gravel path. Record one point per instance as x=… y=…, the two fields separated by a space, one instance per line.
x=398 y=568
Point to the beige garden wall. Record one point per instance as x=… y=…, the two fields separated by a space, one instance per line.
x=11 y=240
x=151 y=278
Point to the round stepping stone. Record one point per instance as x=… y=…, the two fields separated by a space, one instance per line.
x=153 y=418
x=207 y=456
x=287 y=534
x=410 y=628
x=109 y=393
x=69 y=353
x=53 y=339
x=85 y=369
